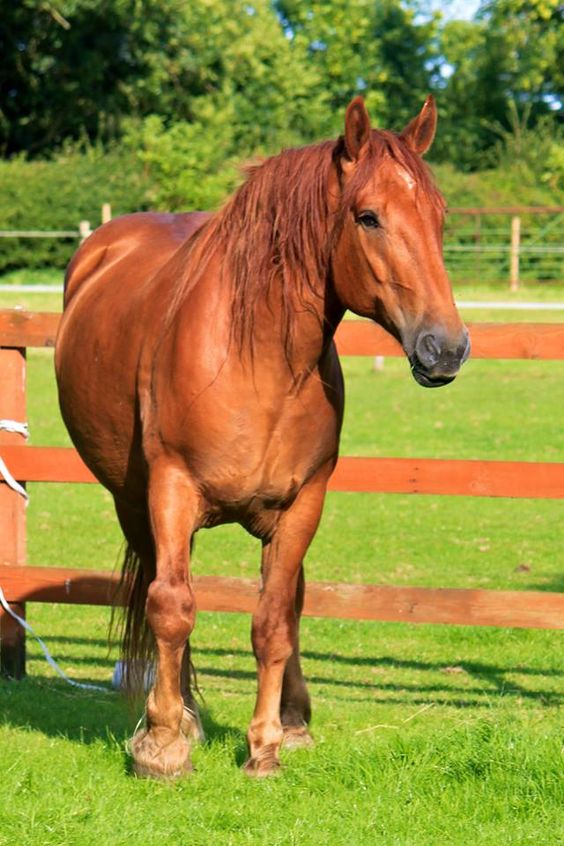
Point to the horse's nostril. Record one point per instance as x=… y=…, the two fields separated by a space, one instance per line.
x=428 y=350
x=431 y=345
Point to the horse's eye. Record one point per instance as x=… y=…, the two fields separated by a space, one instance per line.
x=368 y=220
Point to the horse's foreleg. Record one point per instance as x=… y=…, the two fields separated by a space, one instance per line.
x=162 y=750
x=274 y=631
x=191 y=725
x=295 y=705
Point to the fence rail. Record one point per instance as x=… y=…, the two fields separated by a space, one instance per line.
x=39 y=233
x=519 y=609
x=21 y=583
x=20 y=328
x=354 y=474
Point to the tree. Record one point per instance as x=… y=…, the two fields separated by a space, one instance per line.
x=532 y=33
x=379 y=50
x=76 y=68
x=506 y=62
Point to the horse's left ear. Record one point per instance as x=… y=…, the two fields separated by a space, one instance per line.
x=419 y=132
x=357 y=128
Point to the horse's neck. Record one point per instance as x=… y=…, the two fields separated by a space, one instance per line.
x=295 y=354
x=290 y=338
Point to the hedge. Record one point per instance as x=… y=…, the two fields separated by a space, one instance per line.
x=56 y=195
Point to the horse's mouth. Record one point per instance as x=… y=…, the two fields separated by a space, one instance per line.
x=428 y=381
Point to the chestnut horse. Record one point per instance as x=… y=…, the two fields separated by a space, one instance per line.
x=200 y=383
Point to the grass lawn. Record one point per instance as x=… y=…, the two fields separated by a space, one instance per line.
x=424 y=734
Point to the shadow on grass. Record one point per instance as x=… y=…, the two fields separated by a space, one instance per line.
x=51 y=707
x=492 y=684
x=553 y=585
x=493 y=679
x=384 y=661
x=312 y=655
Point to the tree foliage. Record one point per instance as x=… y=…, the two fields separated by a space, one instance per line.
x=508 y=59
x=359 y=47
x=193 y=85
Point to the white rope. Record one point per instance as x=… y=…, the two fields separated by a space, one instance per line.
x=143 y=670
x=50 y=660
x=11 y=482
x=17 y=428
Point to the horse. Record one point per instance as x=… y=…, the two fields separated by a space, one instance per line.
x=199 y=381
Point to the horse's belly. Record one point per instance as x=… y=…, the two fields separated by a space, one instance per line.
x=96 y=363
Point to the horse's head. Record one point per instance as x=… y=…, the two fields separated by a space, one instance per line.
x=387 y=259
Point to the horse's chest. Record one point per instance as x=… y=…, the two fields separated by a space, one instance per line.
x=265 y=467
x=250 y=445
x=258 y=473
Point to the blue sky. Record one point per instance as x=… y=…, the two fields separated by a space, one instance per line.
x=456 y=9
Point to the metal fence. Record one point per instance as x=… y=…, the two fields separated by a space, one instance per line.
x=512 y=245
x=507 y=245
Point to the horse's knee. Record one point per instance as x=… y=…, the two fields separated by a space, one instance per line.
x=171 y=611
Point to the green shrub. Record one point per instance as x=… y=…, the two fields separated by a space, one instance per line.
x=56 y=195
x=188 y=165
x=488 y=237
x=194 y=166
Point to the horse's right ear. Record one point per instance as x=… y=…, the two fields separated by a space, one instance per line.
x=357 y=128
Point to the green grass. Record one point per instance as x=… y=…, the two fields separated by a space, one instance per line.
x=430 y=735
x=424 y=734
x=482 y=292
x=33 y=276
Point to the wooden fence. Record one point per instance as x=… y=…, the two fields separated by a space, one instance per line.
x=21 y=583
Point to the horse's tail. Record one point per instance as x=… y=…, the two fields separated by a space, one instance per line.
x=137 y=641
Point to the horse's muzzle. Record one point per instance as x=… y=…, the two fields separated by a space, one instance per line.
x=437 y=357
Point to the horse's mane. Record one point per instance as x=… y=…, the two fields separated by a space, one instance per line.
x=278 y=229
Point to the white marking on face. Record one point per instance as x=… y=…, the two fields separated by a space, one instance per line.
x=409 y=181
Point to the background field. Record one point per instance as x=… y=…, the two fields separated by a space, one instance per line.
x=425 y=735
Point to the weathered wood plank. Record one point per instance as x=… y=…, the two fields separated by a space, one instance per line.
x=544 y=480
x=457 y=477
x=46 y=464
x=354 y=337
x=541 y=341
x=507 y=210
x=19 y=328
x=12 y=508
x=522 y=609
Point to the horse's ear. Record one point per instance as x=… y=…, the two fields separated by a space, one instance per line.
x=357 y=128
x=419 y=132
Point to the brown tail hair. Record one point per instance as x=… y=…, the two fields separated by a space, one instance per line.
x=137 y=642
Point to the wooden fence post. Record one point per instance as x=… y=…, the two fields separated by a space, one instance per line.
x=478 y=243
x=12 y=509
x=515 y=244
x=84 y=230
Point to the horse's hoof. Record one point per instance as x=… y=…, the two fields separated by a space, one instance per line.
x=264 y=764
x=257 y=768
x=297 y=737
x=191 y=726
x=153 y=760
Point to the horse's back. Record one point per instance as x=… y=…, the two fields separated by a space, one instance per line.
x=135 y=246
